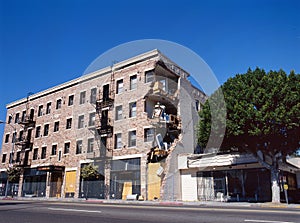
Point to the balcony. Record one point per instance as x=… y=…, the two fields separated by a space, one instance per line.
x=23 y=142
x=105 y=130
x=104 y=103
x=24 y=163
x=27 y=122
x=24 y=160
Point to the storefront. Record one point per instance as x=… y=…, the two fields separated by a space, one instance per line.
x=43 y=181
x=34 y=183
x=233 y=177
x=125 y=178
x=94 y=187
x=234 y=185
x=3 y=181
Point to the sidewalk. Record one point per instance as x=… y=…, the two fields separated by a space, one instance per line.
x=161 y=203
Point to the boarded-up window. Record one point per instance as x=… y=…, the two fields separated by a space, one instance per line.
x=70 y=182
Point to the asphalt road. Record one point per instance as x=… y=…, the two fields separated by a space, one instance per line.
x=54 y=212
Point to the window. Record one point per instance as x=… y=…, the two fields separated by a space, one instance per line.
x=54 y=150
x=71 y=100
x=46 y=129
x=18 y=158
x=11 y=157
x=80 y=121
x=3 y=158
x=58 y=104
x=56 y=126
x=9 y=119
x=119 y=112
x=149 y=76
x=105 y=94
x=79 y=147
x=92 y=119
x=23 y=116
x=67 y=148
x=132 y=109
x=90 y=148
x=148 y=135
x=17 y=118
x=59 y=155
x=21 y=135
x=197 y=104
x=69 y=123
x=82 y=98
x=48 y=109
x=132 y=138
x=35 y=154
x=133 y=82
x=31 y=114
x=118 y=141
x=40 y=110
x=93 y=97
x=119 y=86
x=44 y=152
x=14 y=136
x=6 y=138
x=29 y=134
x=38 y=131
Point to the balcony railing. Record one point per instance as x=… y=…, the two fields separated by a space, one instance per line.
x=105 y=130
x=24 y=142
x=27 y=121
x=23 y=163
x=104 y=103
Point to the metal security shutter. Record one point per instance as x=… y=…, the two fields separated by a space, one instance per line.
x=189 y=187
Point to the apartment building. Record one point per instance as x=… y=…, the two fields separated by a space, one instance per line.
x=130 y=120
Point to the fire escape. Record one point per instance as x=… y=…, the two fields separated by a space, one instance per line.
x=104 y=105
x=24 y=140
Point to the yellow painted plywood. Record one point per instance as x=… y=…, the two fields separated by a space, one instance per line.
x=70 y=182
x=154 y=181
x=127 y=189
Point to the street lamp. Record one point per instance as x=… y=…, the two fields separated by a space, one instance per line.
x=11 y=153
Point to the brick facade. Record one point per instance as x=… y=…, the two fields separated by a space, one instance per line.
x=131 y=137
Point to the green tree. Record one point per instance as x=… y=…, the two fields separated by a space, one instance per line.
x=14 y=174
x=89 y=172
x=263 y=116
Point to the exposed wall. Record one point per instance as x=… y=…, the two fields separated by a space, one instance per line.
x=187 y=143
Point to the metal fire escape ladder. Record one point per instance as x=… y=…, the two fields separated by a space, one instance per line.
x=104 y=104
x=24 y=141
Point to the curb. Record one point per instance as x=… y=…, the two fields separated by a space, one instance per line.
x=158 y=203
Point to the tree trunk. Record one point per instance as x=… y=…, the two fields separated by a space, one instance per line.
x=87 y=189
x=275 y=186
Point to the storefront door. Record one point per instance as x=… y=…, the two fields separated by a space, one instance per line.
x=55 y=185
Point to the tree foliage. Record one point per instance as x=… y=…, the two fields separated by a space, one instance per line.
x=14 y=174
x=89 y=172
x=262 y=117
x=263 y=112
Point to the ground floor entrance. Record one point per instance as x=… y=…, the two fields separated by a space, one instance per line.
x=56 y=181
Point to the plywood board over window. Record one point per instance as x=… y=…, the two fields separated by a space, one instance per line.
x=70 y=183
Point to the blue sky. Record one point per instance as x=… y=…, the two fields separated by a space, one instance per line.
x=45 y=43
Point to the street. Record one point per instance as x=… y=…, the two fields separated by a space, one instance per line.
x=59 y=212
